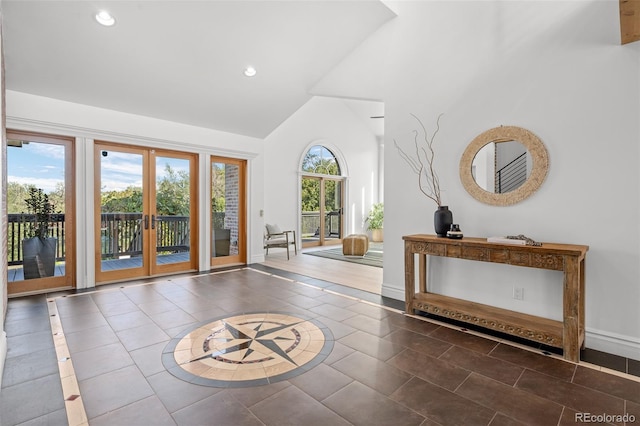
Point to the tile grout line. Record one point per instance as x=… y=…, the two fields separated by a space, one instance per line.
x=76 y=414
x=458 y=328
x=326 y=290
x=73 y=402
x=530 y=349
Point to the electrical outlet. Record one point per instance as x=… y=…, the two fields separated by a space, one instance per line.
x=518 y=293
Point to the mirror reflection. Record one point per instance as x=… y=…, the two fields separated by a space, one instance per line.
x=492 y=150
x=501 y=166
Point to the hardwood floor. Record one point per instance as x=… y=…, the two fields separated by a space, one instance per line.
x=362 y=277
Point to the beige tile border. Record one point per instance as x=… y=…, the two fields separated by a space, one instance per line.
x=74 y=405
x=76 y=415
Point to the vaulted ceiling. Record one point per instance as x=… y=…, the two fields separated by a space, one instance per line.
x=184 y=60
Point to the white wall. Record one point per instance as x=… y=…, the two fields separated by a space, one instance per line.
x=321 y=121
x=557 y=69
x=3 y=216
x=35 y=113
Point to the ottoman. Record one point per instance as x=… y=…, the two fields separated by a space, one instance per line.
x=355 y=245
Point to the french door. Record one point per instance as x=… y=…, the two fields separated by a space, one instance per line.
x=40 y=206
x=228 y=227
x=322 y=211
x=145 y=212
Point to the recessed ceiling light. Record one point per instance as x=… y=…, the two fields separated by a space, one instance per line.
x=105 y=18
x=250 y=71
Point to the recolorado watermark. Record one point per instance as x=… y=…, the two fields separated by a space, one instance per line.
x=604 y=418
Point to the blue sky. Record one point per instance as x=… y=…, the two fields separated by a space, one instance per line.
x=39 y=164
x=42 y=165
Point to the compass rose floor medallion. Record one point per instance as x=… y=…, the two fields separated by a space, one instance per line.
x=248 y=349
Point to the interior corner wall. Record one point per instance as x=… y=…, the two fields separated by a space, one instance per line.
x=322 y=121
x=86 y=123
x=557 y=69
x=3 y=213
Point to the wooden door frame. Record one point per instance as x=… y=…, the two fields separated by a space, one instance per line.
x=241 y=257
x=149 y=268
x=104 y=277
x=38 y=285
x=322 y=179
x=193 y=212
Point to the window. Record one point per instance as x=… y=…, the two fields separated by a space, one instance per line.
x=320 y=160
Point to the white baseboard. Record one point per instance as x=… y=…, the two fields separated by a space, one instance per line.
x=613 y=343
x=3 y=353
x=392 y=292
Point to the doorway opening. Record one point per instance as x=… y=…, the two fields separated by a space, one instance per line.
x=228 y=212
x=145 y=212
x=322 y=198
x=40 y=206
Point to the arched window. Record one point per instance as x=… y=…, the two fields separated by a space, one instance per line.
x=320 y=160
x=322 y=198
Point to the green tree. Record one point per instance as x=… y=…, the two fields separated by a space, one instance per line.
x=172 y=196
x=313 y=163
x=310 y=195
x=218 y=185
x=16 y=195
x=57 y=197
x=128 y=200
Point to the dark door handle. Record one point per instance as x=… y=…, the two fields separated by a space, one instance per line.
x=153 y=221
x=146 y=221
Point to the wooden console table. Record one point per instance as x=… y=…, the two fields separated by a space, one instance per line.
x=567 y=334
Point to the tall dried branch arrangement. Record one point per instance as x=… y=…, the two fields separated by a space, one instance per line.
x=422 y=161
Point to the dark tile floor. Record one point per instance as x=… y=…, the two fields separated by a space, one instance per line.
x=385 y=368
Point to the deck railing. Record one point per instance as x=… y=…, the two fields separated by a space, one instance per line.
x=310 y=225
x=119 y=235
x=16 y=232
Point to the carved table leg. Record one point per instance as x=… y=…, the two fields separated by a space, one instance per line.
x=571 y=307
x=422 y=266
x=409 y=277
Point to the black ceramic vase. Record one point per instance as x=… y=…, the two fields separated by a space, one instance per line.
x=442 y=220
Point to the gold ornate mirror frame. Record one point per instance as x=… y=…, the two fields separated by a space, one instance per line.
x=532 y=143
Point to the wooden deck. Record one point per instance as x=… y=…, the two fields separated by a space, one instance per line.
x=17 y=274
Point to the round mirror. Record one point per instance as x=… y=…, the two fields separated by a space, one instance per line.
x=504 y=165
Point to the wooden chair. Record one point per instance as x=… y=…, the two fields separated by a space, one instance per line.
x=274 y=237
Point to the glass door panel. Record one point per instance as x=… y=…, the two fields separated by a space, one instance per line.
x=227 y=211
x=171 y=222
x=145 y=221
x=332 y=211
x=312 y=222
x=40 y=212
x=122 y=236
x=322 y=211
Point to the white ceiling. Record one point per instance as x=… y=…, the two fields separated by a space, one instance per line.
x=183 y=60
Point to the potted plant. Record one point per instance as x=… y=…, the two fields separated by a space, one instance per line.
x=38 y=247
x=375 y=222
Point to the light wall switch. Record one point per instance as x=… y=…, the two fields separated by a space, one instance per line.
x=518 y=293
